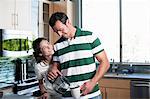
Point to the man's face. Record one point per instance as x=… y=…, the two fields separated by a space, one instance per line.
x=62 y=29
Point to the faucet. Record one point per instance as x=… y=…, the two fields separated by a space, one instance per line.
x=131 y=69
x=114 y=67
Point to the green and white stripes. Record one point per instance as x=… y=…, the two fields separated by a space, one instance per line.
x=76 y=57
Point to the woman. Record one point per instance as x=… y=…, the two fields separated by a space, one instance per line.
x=43 y=52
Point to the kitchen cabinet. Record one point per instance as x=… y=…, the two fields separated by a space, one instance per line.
x=46 y=9
x=15 y=14
x=115 y=88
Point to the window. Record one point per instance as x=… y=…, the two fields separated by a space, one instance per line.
x=136 y=30
x=103 y=17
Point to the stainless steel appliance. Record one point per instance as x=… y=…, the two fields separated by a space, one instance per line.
x=140 y=89
x=25 y=79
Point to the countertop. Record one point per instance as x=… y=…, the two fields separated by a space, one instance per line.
x=128 y=76
x=108 y=75
x=5 y=85
x=15 y=96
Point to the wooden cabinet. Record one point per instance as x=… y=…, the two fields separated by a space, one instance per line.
x=67 y=7
x=46 y=9
x=15 y=14
x=115 y=88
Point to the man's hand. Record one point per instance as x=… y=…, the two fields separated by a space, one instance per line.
x=87 y=87
x=53 y=73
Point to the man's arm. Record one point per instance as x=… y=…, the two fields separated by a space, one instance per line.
x=102 y=69
x=54 y=71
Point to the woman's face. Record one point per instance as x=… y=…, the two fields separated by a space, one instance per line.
x=46 y=48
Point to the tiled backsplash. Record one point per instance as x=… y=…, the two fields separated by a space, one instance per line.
x=8 y=69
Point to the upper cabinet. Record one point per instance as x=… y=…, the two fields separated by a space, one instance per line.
x=15 y=14
x=7 y=14
x=33 y=15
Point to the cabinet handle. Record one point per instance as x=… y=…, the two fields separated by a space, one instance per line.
x=142 y=85
x=17 y=19
x=13 y=19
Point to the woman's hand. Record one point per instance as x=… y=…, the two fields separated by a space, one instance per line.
x=45 y=95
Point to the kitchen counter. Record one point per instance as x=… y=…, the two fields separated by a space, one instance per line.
x=128 y=76
x=5 y=85
x=15 y=96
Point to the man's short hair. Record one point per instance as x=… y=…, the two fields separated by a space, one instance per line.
x=57 y=16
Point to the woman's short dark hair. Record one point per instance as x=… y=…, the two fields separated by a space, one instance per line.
x=36 y=48
x=58 y=16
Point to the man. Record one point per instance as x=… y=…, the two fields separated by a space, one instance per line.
x=75 y=54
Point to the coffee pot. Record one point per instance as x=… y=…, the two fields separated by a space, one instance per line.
x=61 y=84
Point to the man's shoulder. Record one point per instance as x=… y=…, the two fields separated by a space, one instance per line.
x=82 y=32
x=86 y=33
x=60 y=40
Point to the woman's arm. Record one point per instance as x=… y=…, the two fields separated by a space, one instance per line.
x=41 y=86
x=44 y=94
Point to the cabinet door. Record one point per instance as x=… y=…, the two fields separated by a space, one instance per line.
x=7 y=14
x=115 y=88
x=114 y=93
x=103 y=92
x=23 y=15
x=15 y=14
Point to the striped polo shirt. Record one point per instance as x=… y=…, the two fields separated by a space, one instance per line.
x=76 y=58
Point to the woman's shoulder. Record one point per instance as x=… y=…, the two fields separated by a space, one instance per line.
x=40 y=65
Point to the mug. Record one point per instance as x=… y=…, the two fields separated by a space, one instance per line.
x=75 y=92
